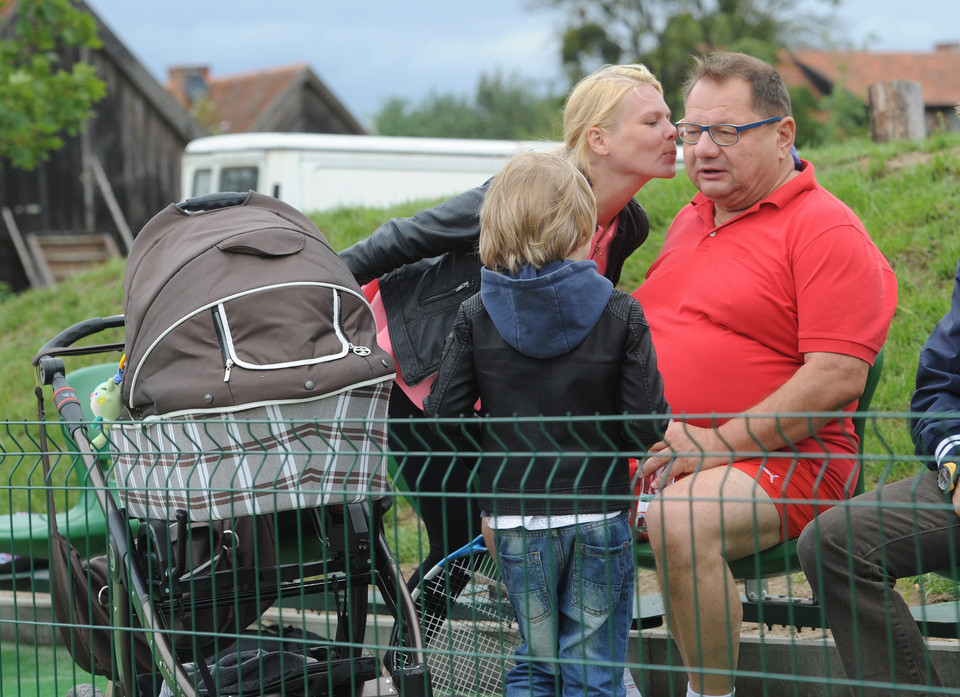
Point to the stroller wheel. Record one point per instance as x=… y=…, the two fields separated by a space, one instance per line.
x=85 y=690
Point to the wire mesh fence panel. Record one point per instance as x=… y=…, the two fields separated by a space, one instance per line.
x=307 y=594
x=195 y=598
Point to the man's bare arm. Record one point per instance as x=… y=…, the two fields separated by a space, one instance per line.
x=825 y=382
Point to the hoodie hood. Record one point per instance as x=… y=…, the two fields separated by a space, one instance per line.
x=546 y=313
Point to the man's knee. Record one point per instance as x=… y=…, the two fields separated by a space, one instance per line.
x=807 y=548
x=679 y=530
x=823 y=536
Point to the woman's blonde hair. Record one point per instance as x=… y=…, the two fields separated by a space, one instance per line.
x=596 y=101
x=539 y=208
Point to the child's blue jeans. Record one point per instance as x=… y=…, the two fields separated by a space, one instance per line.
x=572 y=589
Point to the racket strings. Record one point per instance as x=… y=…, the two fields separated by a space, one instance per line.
x=469 y=627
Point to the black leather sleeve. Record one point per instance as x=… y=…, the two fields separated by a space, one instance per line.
x=453 y=225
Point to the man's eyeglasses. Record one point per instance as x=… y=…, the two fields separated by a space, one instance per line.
x=722 y=134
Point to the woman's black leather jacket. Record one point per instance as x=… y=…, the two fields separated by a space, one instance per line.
x=428 y=264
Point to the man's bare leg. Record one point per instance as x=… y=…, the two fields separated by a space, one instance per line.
x=695 y=525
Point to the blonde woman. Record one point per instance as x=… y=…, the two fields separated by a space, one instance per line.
x=617 y=131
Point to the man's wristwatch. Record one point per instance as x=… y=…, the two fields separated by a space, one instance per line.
x=947 y=477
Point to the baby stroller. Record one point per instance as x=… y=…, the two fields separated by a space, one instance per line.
x=251 y=399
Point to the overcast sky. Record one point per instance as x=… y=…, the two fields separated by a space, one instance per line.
x=367 y=51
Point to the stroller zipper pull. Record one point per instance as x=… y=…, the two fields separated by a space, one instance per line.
x=226 y=372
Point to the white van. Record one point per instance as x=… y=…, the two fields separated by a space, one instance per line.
x=319 y=171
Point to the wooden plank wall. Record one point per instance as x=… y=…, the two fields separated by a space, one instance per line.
x=138 y=133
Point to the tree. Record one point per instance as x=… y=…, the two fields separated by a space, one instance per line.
x=846 y=115
x=501 y=108
x=41 y=97
x=666 y=34
x=811 y=130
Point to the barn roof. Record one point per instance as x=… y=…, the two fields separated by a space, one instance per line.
x=938 y=71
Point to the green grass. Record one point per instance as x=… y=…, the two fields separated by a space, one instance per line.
x=36 y=670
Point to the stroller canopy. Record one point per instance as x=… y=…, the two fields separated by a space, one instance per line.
x=242 y=306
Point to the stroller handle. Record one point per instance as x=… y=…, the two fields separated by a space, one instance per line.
x=78 y=331
x=52 y=373
x=209 y=202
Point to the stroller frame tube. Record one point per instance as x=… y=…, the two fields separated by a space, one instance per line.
x=125 y=578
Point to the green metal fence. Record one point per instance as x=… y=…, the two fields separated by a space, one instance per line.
x=301 y=592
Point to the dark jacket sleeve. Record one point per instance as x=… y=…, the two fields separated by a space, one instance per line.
x=453 y=225
x=456 y=390
x=641 y=385
x=937 y=396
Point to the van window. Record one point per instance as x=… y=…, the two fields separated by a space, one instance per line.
x=238 y=179
x=202 y=183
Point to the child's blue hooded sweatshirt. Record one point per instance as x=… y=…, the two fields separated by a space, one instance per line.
x=546 y=313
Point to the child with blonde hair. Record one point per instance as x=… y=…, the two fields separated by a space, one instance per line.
x=549 y=336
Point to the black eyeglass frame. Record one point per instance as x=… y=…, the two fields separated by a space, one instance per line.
x=709 y=129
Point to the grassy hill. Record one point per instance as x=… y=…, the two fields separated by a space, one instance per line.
x=907 y=194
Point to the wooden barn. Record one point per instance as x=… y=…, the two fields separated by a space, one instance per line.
x=289 y=99
x=937 y=71
x=92 y=195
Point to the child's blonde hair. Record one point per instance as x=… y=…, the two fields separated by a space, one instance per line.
x=539 y=208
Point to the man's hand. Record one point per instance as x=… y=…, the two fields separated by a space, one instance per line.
x=686 y=449
x=956 y=500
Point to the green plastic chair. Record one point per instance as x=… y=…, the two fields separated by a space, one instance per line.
x=779 y=560
x=83 y=524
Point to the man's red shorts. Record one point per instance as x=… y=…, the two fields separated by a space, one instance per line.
x=800 y=489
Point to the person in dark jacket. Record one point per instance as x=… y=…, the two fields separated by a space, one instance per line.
x=617 y=131
x=853 y=554
x=547 y=336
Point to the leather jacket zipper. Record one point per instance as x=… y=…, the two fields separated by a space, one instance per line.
x=447 y=293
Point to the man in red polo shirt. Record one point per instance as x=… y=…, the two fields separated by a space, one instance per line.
x=768 y=299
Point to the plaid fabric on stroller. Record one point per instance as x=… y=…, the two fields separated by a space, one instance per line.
x=252 y=388
x=260 y=460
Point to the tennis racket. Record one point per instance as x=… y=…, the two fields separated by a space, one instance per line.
x=469 y=627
